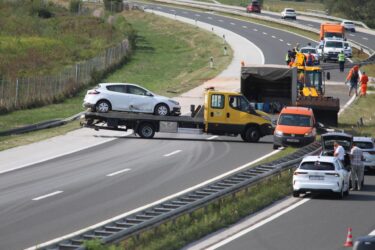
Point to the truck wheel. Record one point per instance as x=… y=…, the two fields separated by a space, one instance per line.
x=252 y=134
x=161 y=109
x=146 y=130
x=102 y=106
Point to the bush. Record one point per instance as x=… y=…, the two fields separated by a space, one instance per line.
x=113 y=5
x=74 y=6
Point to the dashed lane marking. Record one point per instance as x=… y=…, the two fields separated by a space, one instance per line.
x=47 y=195
x=212 y=137
x=173 y=153
x=118 y=172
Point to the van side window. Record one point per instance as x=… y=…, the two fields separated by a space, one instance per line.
x=239 y=103
x=217 y=101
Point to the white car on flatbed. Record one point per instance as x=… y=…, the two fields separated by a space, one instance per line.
x=321 y=174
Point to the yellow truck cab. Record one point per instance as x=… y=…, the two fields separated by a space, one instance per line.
x=231 y=113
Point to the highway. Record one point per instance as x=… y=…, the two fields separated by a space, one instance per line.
x=57 y=197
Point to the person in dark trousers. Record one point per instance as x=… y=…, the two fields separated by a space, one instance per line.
x=353 y=78
x=293 y=54
x=287 y=57
x=341 y=59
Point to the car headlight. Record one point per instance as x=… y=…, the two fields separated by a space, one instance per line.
x=174 y=102
x=308 y=134
x=278 y=133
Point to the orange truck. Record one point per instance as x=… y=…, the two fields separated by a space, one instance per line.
x=332 y=31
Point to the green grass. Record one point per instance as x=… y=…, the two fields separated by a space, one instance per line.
x=168 y=59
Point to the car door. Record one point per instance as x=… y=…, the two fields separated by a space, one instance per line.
x=118 y=97
x=344 y=172
x=141 y=100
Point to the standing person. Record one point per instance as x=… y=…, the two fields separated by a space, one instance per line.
x=341 y=59
x=310 y=59
x=287 y=57
x=353 y=78
x=293 y=54
x=356 y=157
x=363 y=81
x=339 y=152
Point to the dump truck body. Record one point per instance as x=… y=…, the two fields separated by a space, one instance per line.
x=332 y=30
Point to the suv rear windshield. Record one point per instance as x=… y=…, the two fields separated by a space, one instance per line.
x=295 y=120
x=323 y=166
x=364 y=144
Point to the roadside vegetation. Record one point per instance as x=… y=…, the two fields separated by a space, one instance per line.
x=168 y=60
x=39 y=37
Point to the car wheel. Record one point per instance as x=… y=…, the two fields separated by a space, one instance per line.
x=346 y=193
x=275 y=146
x=296 y=194
x=252 y=134
x=102 y=106
x=146 y=130
x=161 y=109
x=340 y=195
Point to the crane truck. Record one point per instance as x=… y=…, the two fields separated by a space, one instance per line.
x=223 y=113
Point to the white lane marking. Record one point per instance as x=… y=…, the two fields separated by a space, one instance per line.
x=209 y=17
x=221 y=20
x=257 y=225
x=185 y=12
x=47 y=195
x=159 y=8
x=232 y=23
x=351 y=35
x=212 y=137
x=281 y=40
x=255 y=29
x=197 y=15
x=151 y=204
x=264 y=33
x=273 y=36
x=245 y=27
x=173 y=10
x=372 y=233
x=118 y=172
x=310 y=24
x=288 y=44
x=364 y=38
x=173 y=153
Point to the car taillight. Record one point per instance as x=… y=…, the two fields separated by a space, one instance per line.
x=93 y=92
x=299 y=173
x=334 y=174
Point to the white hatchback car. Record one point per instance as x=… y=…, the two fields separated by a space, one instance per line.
x=367 y=144
x=289 y=13
x=129 y=97
x=348 y=25
x=321 y=174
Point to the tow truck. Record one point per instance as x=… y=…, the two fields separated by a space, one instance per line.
x=223 y=113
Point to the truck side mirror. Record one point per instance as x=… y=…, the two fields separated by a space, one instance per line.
x=328 y=75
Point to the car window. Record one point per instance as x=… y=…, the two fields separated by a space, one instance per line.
x=364 y=144
x=117 y=88
x=295 y=120
x=217 y=101
x=239 y=103
x=333 y=44
x=136 y=90
x=320 y=166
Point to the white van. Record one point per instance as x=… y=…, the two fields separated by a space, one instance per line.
x=332 y=48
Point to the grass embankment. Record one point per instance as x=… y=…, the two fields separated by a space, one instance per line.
x=41 y=38
x=169 y=58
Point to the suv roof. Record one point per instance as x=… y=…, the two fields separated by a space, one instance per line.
x=363 y=139
x=297 y=110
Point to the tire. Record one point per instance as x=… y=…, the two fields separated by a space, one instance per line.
x=275 y=146
x=296 y=194
x=346 y=193
x=340 y=195
x=252 y=134
x=103 y=106
x=146 y=130
x=161 y=109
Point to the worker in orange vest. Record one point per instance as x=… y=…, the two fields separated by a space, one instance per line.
x=363 y=81
x=353 y=78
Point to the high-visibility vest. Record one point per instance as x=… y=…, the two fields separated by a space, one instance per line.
x=287 y=57
x=341 y=57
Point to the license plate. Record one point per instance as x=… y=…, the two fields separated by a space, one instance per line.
x=316 y=177
x=292 y=140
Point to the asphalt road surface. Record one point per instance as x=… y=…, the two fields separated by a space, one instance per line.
x=60 y=196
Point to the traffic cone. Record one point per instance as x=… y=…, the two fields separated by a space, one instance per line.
x=349 y=239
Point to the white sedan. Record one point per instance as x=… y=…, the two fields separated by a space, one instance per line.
x=289 y=13
x=321 y=174
x=129 y=97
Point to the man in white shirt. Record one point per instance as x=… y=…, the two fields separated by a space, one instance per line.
x=339 y=152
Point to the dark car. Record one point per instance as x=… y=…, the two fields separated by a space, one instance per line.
x=365 y=243
x=254 y=6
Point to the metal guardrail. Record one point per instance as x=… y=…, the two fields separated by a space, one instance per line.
x=134 y=224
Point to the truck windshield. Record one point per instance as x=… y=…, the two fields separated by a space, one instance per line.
x=332 y=35
x=333 y=44
x=314 y=79
x=295 y=120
